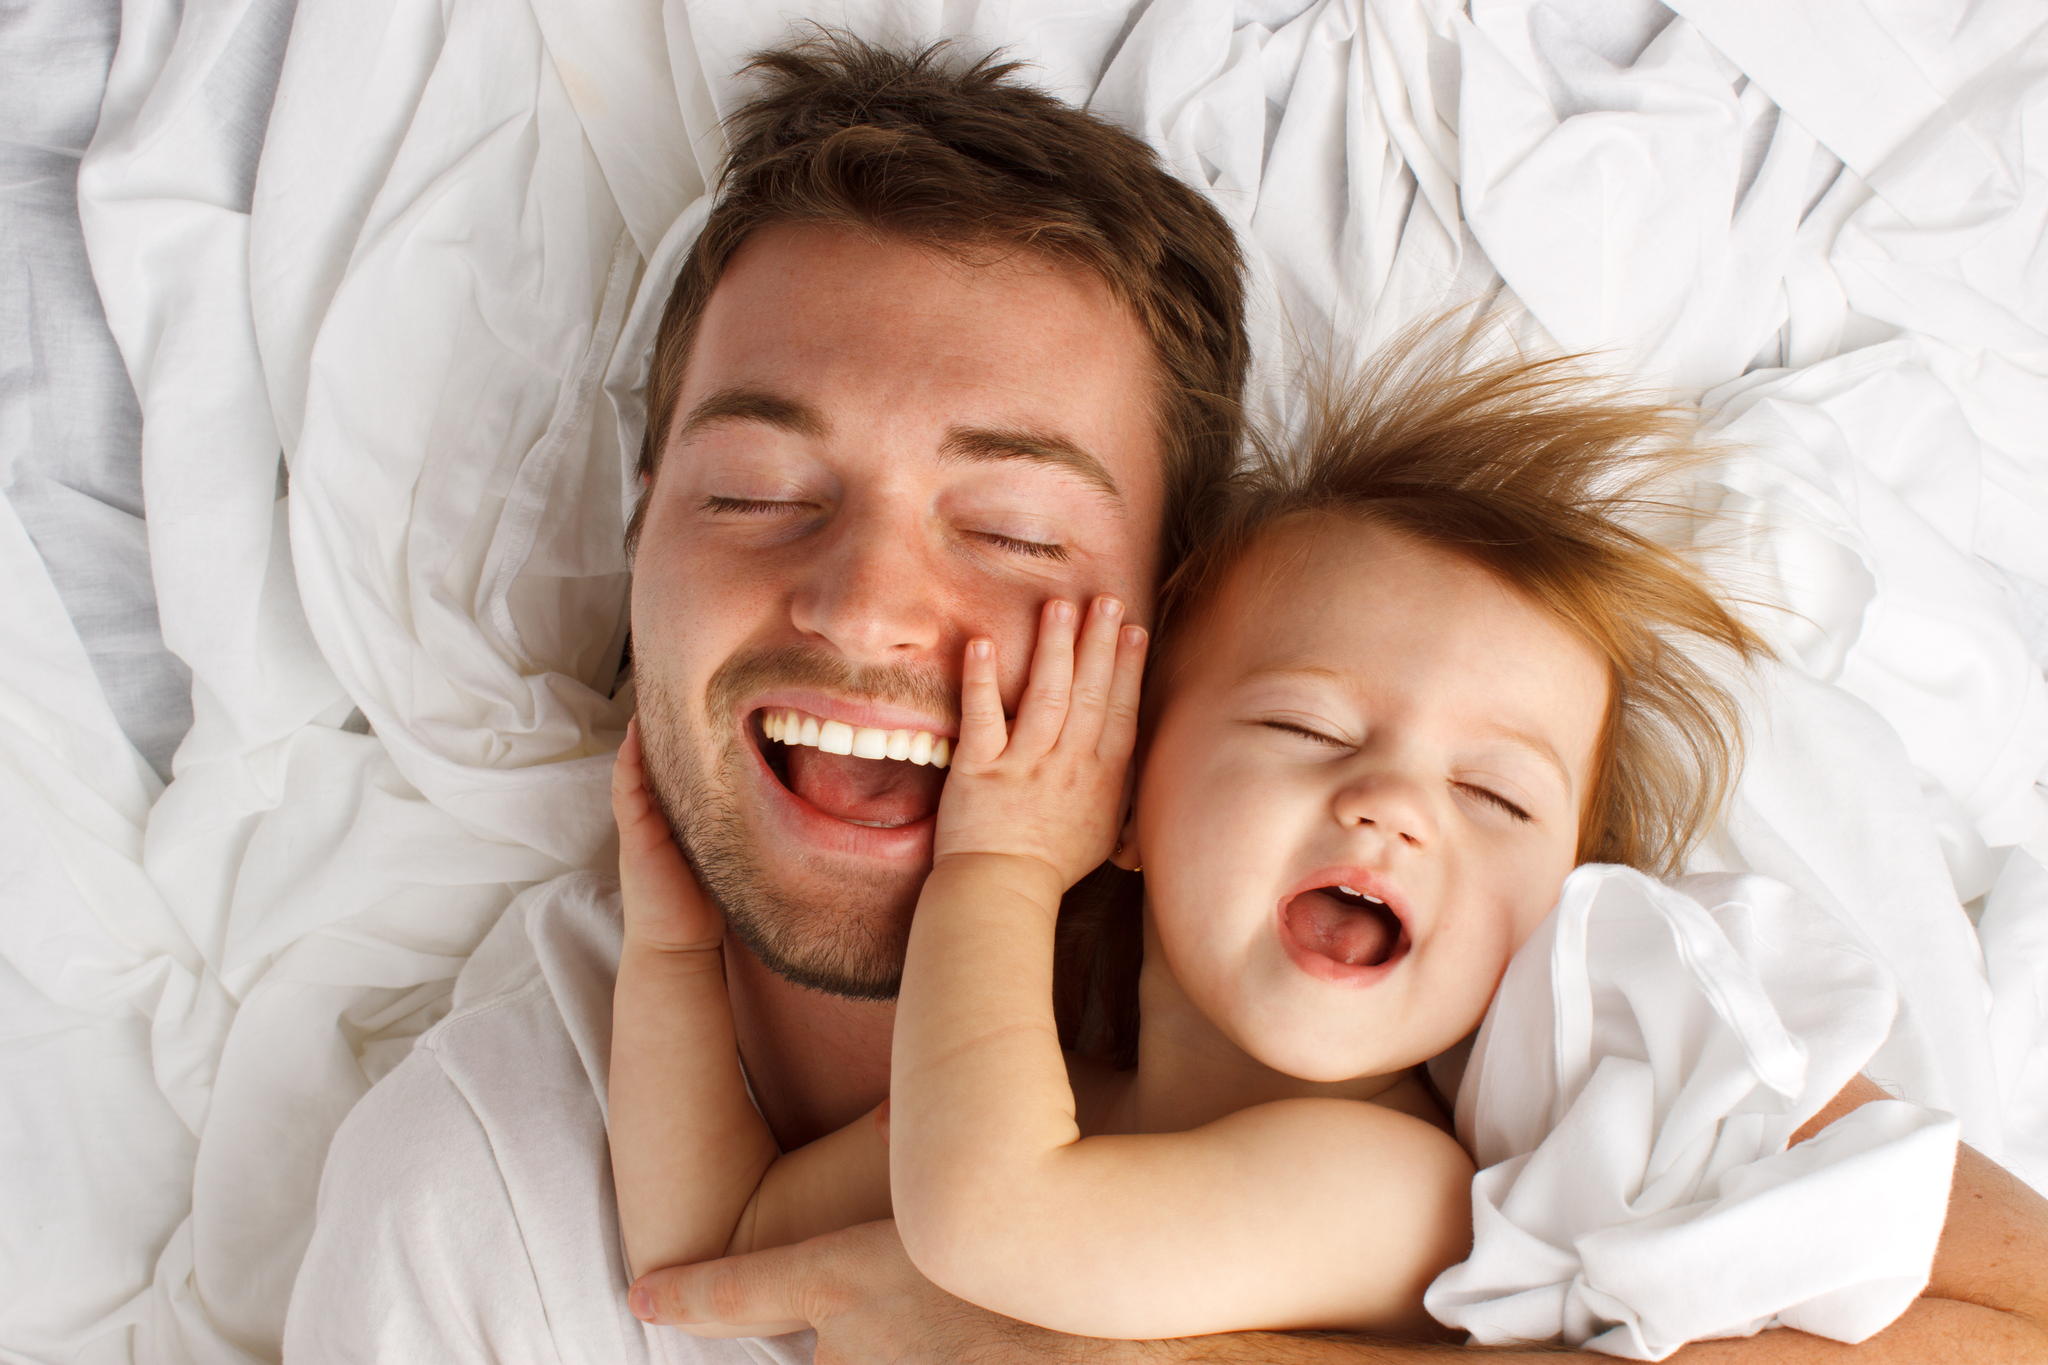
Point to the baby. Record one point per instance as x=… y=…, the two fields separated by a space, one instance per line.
x=1408 y=683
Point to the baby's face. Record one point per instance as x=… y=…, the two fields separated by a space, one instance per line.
x=1358 y=709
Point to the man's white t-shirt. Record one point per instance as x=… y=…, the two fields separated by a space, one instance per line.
x=466 y=1211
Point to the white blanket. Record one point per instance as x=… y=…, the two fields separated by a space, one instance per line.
x=69 y=429
x=435 y=300
x=1629 y=1100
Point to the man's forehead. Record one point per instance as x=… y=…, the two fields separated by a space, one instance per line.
x=812 y=328
x=822 y=267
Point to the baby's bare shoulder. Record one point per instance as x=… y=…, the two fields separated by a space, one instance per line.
x=1341 y=1127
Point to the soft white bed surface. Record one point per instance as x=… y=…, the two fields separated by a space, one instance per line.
x=435 y=299
x=70 y=434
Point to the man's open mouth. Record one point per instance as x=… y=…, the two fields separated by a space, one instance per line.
x=883 y=779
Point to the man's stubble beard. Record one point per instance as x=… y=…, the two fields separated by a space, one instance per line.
x=836 y=940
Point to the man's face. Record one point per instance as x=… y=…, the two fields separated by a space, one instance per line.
x=878 y=452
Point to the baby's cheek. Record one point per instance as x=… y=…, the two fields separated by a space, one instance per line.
x=1530 y=914
x=1186 y=790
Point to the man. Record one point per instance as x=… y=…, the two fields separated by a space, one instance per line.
x=946 y=348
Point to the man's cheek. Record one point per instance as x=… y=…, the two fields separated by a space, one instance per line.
x=679 y=611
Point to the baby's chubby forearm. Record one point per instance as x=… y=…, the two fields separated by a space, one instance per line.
x=979 y=1087
x=983 y=1111
x=977 y=1080
x=689 y=1149
x=695 y=1165
x=977 y=1065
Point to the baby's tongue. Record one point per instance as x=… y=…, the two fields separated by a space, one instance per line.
x=1340 y=931
x=876 y=790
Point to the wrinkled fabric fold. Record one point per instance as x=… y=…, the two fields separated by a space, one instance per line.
x=1630 y=1099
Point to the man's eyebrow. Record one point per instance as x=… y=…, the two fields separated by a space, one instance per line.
x=1042 y=447
x=740 y=404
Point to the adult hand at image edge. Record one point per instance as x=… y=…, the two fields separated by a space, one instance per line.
x=1986 y=1301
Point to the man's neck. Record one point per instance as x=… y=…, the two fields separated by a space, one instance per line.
x=816 y=1062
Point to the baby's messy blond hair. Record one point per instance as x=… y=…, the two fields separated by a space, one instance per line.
x=1545 y=476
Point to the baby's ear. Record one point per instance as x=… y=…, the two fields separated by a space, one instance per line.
x=1125 y=855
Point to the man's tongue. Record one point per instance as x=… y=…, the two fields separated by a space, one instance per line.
x=1328 y=925
x=875 y=790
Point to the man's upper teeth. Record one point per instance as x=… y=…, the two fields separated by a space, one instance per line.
x=837 y=737
x=1354 y=891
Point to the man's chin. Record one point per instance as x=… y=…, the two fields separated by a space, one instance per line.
x=844 y=937
x=821 y=902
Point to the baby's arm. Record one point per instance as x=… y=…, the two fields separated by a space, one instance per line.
x=1301 y=1213
x=696 y=1170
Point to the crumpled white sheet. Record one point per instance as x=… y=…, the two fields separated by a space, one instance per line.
x=434 y=299
x=1651 y=1051
x=69 y=428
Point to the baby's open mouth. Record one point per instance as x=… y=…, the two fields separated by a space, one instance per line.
x=1346 y=925
x=879 y=778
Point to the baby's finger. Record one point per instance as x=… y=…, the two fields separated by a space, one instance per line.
x=981 y=707
x=1043 y=711
x=1094 y=667
x=664 y=905
x=645 y=845
x=1120 y=718
x=630 y=805
x=643 y=830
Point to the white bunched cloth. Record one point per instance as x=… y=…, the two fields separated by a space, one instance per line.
x=1629 y=1100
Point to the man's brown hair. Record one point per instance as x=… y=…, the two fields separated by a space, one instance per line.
x=960 y=157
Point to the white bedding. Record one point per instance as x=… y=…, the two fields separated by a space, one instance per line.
x=70 y=433
x=435 y=298
x=1650 y=1053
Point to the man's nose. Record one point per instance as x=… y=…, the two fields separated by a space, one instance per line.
x=1388 y=801
x=871 y=590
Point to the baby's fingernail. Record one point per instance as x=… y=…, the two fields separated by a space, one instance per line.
x=1063 y=612
x=980 y=648
x=642 y=1303
x=1110 y=607
x=1134 y=635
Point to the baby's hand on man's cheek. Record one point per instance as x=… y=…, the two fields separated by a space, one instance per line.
x=1050 y=788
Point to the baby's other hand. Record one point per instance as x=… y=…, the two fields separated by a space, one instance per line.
x=665 y=908
x=1053 y=787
